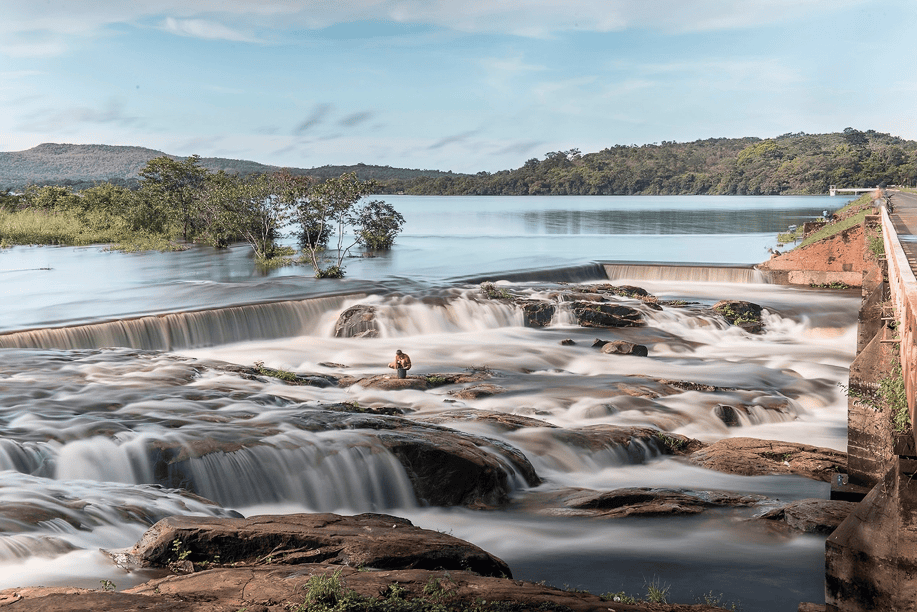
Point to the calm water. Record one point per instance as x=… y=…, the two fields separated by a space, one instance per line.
x=79 y=421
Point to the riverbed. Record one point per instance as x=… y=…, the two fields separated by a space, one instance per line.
x=80 y=413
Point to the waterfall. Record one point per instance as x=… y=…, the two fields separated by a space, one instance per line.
x=696 y=273
x=184 y=329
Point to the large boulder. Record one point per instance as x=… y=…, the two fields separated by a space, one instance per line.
x=357 y=322
x=377 y=541
x=602 y=314
x=538 y=313
x=753 y=457
x=741 y=314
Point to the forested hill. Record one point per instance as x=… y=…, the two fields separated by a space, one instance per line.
x=790 y=164
x=85 y=165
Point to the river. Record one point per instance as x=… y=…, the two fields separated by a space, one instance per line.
x=110 y=358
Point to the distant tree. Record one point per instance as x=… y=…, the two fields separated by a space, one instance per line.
x=172 y=188
x=855 y=138
x=49 y=197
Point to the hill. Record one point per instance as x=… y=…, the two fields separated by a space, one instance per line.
x=82 y=166
x=796 y=163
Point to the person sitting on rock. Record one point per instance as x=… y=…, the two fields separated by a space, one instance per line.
x=401 y=364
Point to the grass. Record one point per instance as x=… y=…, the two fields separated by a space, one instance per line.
x=69 y=228
x=493 y=292
x=893 y=393
x=278 y=374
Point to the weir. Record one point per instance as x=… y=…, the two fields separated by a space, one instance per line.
x=696 y=273
x=184 y=329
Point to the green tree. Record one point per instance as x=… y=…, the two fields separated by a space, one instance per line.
x=171 y=189
x=378 y=223
x=335 y=204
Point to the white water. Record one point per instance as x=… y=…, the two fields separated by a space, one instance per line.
x=112 y=426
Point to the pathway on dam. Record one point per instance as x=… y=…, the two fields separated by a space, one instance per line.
x=904 y=218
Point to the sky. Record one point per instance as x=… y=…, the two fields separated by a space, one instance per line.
x=461 y=85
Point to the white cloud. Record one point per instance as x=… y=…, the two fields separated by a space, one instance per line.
x=208 y=30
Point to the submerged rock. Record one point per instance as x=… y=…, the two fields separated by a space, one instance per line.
x=634 y=501
x=477 y=391
x=621 y=347
x=357 y=322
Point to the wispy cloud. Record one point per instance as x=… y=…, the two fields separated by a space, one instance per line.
x=62 y=120
x=316 y=117
x=453 y=139
x=207 y=30
x=356 y=118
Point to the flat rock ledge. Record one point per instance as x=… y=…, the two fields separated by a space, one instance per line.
x=281 y=589
x=753 y=457
x=811 y=515
x=377 y=541
x=266 y=564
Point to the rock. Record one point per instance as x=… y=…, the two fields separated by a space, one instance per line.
x=357 y=322
x=812 y=515
x=420 y=383
x=621 y=347
x=499 y=420
x=538 y=313
x=600 y=314
x=281 y=589
x=728 y=414
x=741 y=314
x=378 y=541
x=636 y=501
x=599 y=343
x=753 y=457
x=477 y=391
x=567 y=342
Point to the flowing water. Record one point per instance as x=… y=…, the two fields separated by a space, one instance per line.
x=120 y=392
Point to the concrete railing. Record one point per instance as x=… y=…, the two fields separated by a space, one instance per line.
x=903 y=289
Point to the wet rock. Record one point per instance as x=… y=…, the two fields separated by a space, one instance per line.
x=537 y=314
x=729 y=415
x=635 y=501
x=592 y=314
x=499 y=420
x=753 y=457
x=621 y=347
x=280 y=589
x=420 y=383
x=741 y=314
x=357 y=322
x=372 y=540
x=567 y=342
x=477 y=391
x=811 y=515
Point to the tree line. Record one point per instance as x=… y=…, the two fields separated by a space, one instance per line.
x=795 y=163
x=180 y=198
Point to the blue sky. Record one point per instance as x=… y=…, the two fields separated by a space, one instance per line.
x=462 y=85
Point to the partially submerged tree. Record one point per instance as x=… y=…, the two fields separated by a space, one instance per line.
x=333 y=204
x=378 y=223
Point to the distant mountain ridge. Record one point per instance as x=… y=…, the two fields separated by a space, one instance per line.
x=84 y=165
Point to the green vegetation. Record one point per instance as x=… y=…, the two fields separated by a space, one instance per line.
x=328 y=593
x=182 y=199
x=178 y=547
x=717 y=601
x=436 y=380
x=894 y=395
x=671 y=442
x=656 y=592
x=493 y=292
x=273 y=373
x=796 y=163
x=107 y=585
x=833 y=285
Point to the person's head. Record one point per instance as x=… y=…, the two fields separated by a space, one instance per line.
x=398 y=352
